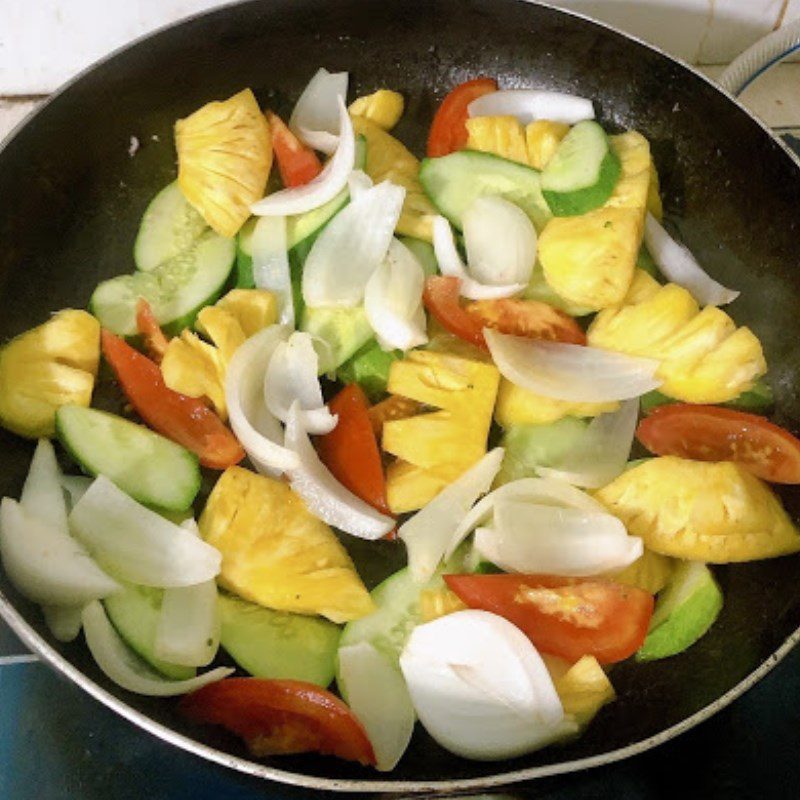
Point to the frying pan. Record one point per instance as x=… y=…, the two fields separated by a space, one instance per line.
x=71 y=198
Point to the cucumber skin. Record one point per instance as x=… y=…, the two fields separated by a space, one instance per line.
x=191 y=460
x=369 y=368
x=581 y=201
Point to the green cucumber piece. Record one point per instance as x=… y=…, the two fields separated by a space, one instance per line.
x=452 y=182
x=530 y=446
x=423 y=252
x=277 y=644
x=757 y=400
x=685 y=610
x=582 y=172
x=176 y=290
x=343 y=330
x=644 y=261
x=134 y=612
x=145 y=465
x=170 y=226
x=369 y=368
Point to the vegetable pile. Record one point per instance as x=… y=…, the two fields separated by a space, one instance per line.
x=456 y=355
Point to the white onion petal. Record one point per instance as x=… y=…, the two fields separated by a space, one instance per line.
x=602 y=451
x=255 y=427
x=500 y=241
x=351 y=246
x=136 y=543
x=450 y=264
x=126 y=669
x=271 y=264
x=571 y=371
x=324 y=187
x=42 y=493
x=64 y=622
x=528 y=105
x=315 y=119
x=679 y=266
x=358 y=183
x=76 y=487
x=428 y=533
x=325 y=497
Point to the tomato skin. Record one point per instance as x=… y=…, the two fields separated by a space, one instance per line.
x=297 y=164
x=709 y=433
x=441 y=299
x=566 y=617
x=350 y=451
x=449 y=129
x=185 y=420
x=154 y=339
x=281 y=717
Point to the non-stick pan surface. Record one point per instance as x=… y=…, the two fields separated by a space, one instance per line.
x=71 y=197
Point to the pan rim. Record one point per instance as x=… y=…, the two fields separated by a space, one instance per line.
x=60 y=664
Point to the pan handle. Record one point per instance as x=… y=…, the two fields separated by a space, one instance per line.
x=756 y=60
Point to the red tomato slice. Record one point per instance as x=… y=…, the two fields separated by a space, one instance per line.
x=185 y=420
x=280 y=717
x=528 y=318
x=449 y=129
x=567 y=617
x=297 y=163
x=350 y=451
x=150 y=331
x=708 y=433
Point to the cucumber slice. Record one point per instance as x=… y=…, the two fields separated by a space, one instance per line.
x=453 y=182
x=276 y=644
x=582 y=173
x=423 y=252
x=176 y=289
x=343 y=330
x=134 y=612
x=684 y=612
x=150 y=468
x=757 y=400
x=170 y=226
x=369 y=368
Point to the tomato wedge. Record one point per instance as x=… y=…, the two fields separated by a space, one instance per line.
x=297 y=163
x=709 y=433
x=567 y=617
x=280 y=717
x=350 y=451
x=185 y=420
x=449 y=129
x=528 y=318
x=154 y=340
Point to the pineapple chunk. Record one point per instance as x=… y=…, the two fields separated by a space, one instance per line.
x=224 y=159
x=276 y=553
x=704 y=357
x=223 y=329
x=45 y=368
x=502 y=136
x=650 y=572
x=543 y=137
x=195 y=368
x=643 y=287
x=253 y=309
x=701 y=511
x=590 y=259
x=654 y=195
x=435 y=603
x=582 y=687
x=388 y=159
x=518 y=406
x=383 y=107
x=435 y=448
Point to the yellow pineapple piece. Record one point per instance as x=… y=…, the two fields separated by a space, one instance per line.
x=45 y=368
x=542 y=137
x=253 y=309
x=435 y=603
x=650 y=572
x=701 y=511
x=643 y=287
x=501 y=136
x=195 y=368
x=654 y=205
x=276 y=553
x=409 y=487
x=582 y=687
x=383 y=107
x=224 y=159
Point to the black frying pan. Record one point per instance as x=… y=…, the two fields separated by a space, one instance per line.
x=71 y=198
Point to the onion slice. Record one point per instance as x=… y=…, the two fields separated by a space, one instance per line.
x=393 y=300
x=76 y=487
x=271 y=264
x=325 y=497
x=42 y=495
x=428 y=533
x=126 y=669
x=64 y=622
x=324 y=187
x=679 y=266
x=351 y=246
x=528 y=105
x=136 y=543
x=45 y=563
x=255 y=427
x=500 y=241
x=570 y=371
x=602 y=451
x=315 y=119
x=450 y=264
